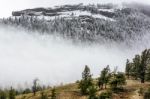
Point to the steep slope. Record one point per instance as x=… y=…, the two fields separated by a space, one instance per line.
x=86 y=23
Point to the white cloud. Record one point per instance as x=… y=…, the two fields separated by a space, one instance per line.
x=25 y=56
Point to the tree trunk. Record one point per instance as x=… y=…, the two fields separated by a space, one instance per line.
x=105 y=86
x=143 y=77
x=143 y=80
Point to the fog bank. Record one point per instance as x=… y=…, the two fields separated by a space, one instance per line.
x=25 y=56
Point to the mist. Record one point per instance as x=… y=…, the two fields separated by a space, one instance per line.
x=25 y=56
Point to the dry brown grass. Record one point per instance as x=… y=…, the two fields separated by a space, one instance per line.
x=71 y=91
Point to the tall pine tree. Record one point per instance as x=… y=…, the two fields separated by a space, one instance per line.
x=86 y=81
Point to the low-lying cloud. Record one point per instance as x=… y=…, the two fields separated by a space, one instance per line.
x=26 y=55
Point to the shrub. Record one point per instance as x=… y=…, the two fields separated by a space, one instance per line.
x=43 y=95
x=92 y=92
x=105 y=95
x=147 y=94
x=141 y=91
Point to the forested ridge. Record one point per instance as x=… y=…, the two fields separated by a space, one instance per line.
x=125 y=25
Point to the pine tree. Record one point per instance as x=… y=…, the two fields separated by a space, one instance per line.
x=43 y=95
x=104 y=77
x=53 y=93
x=136 y=66
x=128 y=67
x=86 y=81
x=117 y=81
x=92 y=92
x=12 y=93
x=35 y=86
x=3 y=94
x=145 y=58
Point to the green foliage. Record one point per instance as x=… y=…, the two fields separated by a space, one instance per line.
x=147 y=94
x=117 y=81
x=147 y=76
x=136 y=66
x=104 y=77
x=141 y=91
x=43 y=95
x=26 y=91
x=145 y=58
x=127 y=70
x=53 y=94
x=140 y=67
x=92 y=92
x=3 y=95
x=105 y=95
x=86 y=81
x=35 y=86
x=12 y=93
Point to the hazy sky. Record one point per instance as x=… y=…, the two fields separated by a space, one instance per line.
x=7 y=6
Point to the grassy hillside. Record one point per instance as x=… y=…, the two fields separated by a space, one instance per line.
x=71 y=91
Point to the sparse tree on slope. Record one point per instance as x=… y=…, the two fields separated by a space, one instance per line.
x=86 y=81
x=136 y=66
x=53 y=95
x=3 y=94
x=128 y=67
x=12 y=93
x=145 y=58
x=35 y=86
x=43 y=95
x=104 y=77
x=117 y=81
x=92 y=92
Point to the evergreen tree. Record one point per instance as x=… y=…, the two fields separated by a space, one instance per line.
x=147 y=94
x=147 y=77
x=92 y=92
x=105 y=95
x=3 y=95
x=53 y=93
x=127 y=70
x=12 y=93
x=145 y=58
x=136 y=66
x=86 y=81
x=43 y=95
x=104 y=77
x=117 y=81
x=35 y=86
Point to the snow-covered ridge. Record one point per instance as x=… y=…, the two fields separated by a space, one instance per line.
x=68 y=11
x=86 y=23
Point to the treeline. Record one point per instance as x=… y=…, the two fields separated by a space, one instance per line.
x=113 y=82
x=139 y=67
x=108 y=82
x=88 y=86
x=11 y=93
x=128 y=25
x=92 y=8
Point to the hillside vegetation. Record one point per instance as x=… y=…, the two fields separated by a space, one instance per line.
x=131 y=84
x=71 y=91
